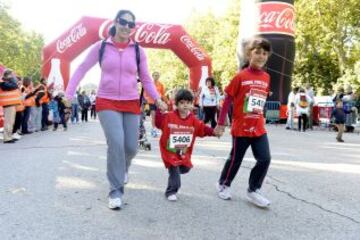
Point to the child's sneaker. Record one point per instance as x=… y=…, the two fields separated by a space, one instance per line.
x=115 y=203
x=172 y=198
x=224 y=192
x=158 y=132
x=258 y=199
x=16 y=136
x=153 y=133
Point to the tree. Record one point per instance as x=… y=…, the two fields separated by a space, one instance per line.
x=20 y=50
x=216 y=35
x=327 y=41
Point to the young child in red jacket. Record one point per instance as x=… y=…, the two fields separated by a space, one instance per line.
x=179 y=130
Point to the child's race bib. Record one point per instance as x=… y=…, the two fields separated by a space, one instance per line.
x=180 y=138
x=255 y=101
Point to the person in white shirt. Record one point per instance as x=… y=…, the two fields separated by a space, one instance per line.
x=92 y=101
x=209 y=101
x=291 y=108
x=310 y=93
x=302 y=104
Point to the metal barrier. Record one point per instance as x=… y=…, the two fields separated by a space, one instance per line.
x=272 y=111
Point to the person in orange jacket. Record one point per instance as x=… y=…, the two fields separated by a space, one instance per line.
x=29 y=101
x=161 y=90
x=10 y=97
x=44 y=101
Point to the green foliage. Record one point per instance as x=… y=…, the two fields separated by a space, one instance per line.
x=173 y=72
x=216 y=35
x=20 y=50
x=351 y=77
x=327 y=43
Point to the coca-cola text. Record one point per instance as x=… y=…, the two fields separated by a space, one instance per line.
x=277 y=17
x=75 y=35
x=153 y=33
x=192 y=47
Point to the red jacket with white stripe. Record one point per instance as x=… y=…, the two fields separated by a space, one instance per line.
x=178 y=137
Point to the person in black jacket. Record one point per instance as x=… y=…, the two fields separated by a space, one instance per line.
x=85 y=104
x=61 y=108
x=339 y=115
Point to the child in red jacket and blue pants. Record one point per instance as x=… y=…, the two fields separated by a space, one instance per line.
x=248 y=92
x=179 y=130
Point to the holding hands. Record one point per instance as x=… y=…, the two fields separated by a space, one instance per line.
x=219 y=130
x=161 y=105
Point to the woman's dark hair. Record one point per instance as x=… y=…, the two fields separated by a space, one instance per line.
x=112 y=30
x=210 y=79
x=183 y=94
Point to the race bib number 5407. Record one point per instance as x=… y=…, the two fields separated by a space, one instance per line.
x=255 y=102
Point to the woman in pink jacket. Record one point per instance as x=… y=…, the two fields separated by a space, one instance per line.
x=117 y=101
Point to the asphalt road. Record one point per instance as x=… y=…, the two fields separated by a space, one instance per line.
x=53 y=186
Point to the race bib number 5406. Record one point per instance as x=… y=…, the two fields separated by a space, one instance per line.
x=180 y=141
x=180 y=138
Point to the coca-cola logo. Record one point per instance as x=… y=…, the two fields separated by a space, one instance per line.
x=198 y=53
x=104 y=28
x=277 y=18
x=75 y=35
x=153 y=33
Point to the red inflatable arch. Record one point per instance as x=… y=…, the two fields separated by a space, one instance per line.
x=88 y=30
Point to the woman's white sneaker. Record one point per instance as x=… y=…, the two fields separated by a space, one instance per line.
x=172 y=198
x=115 y=203
x=224 y=192
x=258 y=199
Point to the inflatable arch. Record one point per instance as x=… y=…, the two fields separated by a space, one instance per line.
x=89 y=30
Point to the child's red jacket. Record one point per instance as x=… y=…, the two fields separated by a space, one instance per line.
x=178 y=137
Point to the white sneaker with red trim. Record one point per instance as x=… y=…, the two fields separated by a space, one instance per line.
x=258 y=199
x=224 y=192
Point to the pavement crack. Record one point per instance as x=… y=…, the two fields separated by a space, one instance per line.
x=303 y=200
x=313 y=204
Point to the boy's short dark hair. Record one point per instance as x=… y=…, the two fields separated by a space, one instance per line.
x=183 y=94
x=211 y=80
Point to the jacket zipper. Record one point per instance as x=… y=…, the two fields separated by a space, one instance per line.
x=120 y=66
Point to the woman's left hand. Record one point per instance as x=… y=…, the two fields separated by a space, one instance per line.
x=161 y=105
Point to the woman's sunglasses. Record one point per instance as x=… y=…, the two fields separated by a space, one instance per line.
x=124 y=22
